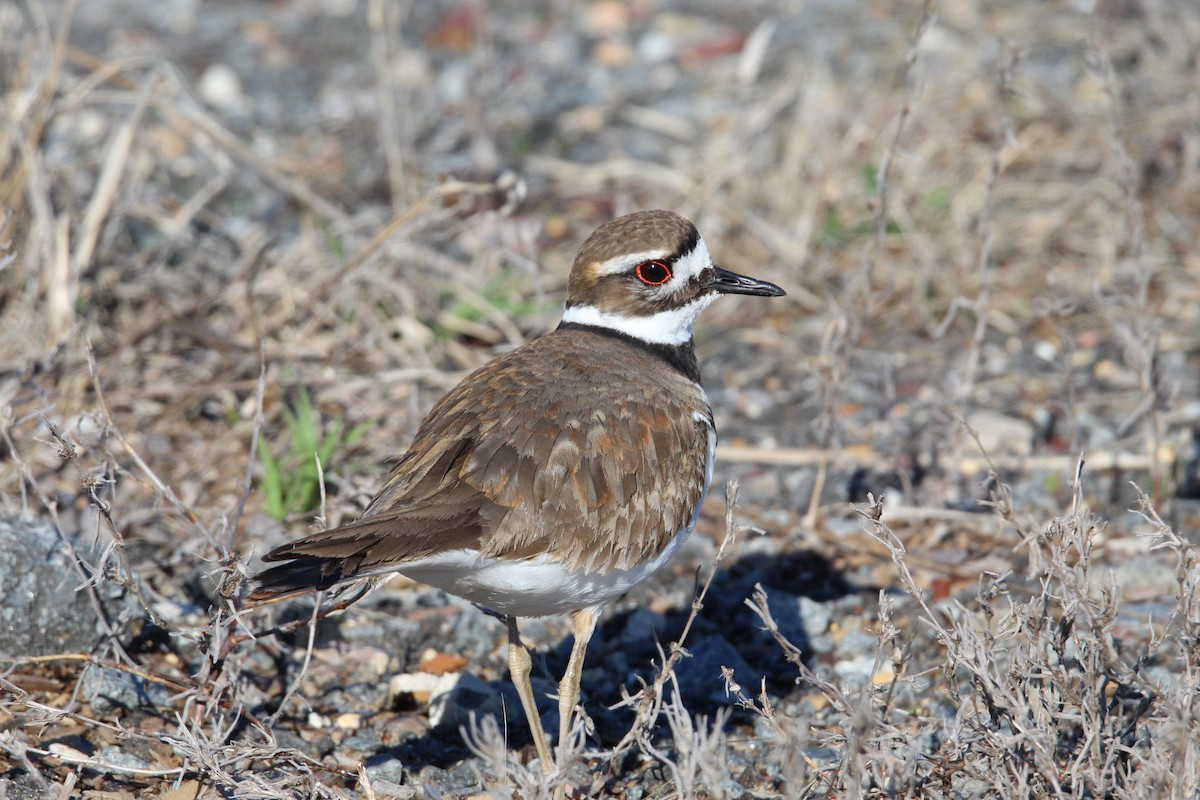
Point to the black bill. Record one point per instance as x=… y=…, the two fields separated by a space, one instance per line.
x=728 y=282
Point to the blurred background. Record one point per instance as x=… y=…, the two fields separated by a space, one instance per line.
x=238 y=233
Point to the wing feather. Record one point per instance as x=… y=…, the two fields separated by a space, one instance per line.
x=499 y=467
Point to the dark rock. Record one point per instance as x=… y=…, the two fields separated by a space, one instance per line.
x=700 y=683
x=42 y=612
x=120 y=758
x=355 y=750
x=384 y=768
x=455 y=780
x=287 y=739
x=110 y=690
x=358 y=697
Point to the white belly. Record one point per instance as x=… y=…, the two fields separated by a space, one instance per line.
x=534 y=587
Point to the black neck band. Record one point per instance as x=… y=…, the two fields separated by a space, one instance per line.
x=679 y=357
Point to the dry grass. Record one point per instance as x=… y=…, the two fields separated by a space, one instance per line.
x=980 y=211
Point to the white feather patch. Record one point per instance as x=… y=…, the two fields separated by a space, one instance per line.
x=623 y=263
x=666 y=327
x=534 y=587
x=692 y=264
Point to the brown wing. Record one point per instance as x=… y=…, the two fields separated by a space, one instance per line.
x=499 y=466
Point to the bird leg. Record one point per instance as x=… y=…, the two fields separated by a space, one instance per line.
x=519 y=667
x=568 y=689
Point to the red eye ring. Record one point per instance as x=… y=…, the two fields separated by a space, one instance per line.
x=653 y=273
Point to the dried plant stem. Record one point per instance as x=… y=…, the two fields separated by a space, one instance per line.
x=327 y=289
x=385 y=39
x=176 y=683
x=159 y=485
x=1141 y=334
x=308 y=651
x=648 y=702
x=1124 y=461
x=874 y=256
x=108 y=184
x=980 y=306
x=127 y=577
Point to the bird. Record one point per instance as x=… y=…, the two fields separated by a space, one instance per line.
x=563 y=472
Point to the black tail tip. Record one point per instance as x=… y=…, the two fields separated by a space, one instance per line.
x=298 y=576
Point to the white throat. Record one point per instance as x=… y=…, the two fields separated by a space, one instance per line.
x=666 y=327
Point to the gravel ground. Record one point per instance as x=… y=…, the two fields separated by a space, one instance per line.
x=984 y=215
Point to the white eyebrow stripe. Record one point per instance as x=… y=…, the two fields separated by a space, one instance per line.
x=618 y=264
x=694 y=262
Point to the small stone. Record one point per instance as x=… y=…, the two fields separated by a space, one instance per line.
x=355 y=750
x=436 y=662
x=655 y=48
x=417 y=685
x=288 y=740
x=71 y=755
x=394 y=791
x=611 y=54
x=348 y=721
x=110 y=690
x=854 y=641
x=642 y=629
x=395 y=729
x=800 y=619
x=857 y=670
x=1000 y=434
x=221 y=86
x=188 y=790
x=360 y=697
x=815 y=616
x=606 y=17
x=119 y=758
x=384 y=768
x=1045 y=350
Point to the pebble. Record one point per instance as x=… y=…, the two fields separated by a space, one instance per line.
x=419 y=685
x=800 y=619
x=436 y=662
x=220 y=86
x=355 y=750
x=108 y=691
x=348 y=721
x=384 y=788
x=362 y=696
x=642 y=628
x=384 y=768
x=121 y=758
x=1000 y=434
x=856 y=671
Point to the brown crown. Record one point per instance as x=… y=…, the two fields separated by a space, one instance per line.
x=639 y=232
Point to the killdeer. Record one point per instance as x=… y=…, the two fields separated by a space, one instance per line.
x=559 y=475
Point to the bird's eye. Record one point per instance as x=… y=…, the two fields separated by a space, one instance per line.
x=653 y=273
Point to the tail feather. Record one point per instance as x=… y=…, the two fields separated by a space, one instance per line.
x=303 y=574
x=367 y=547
